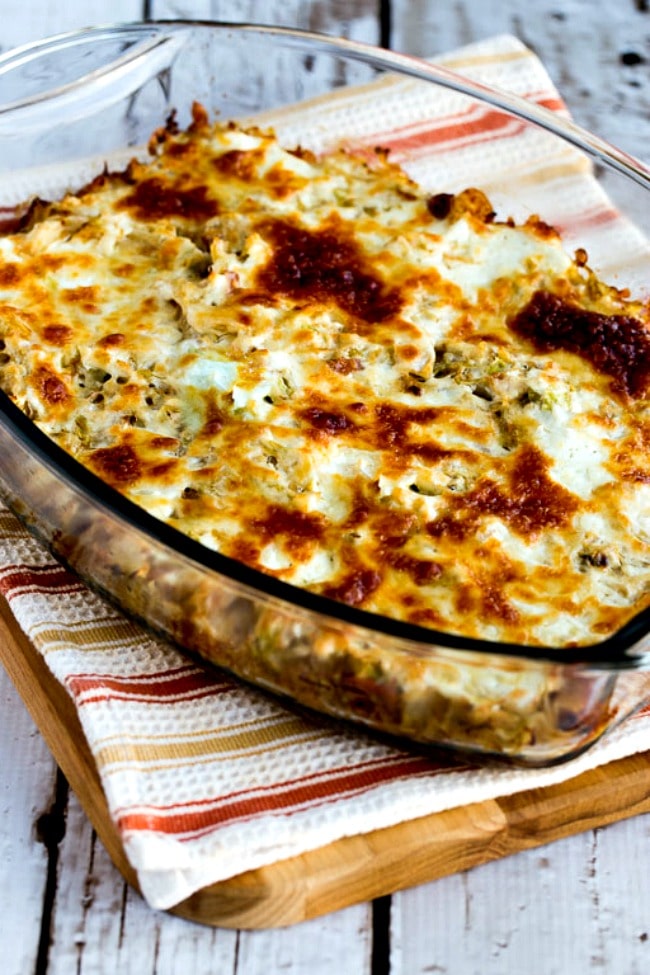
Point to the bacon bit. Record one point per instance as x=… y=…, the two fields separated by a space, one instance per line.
x=359 y=512
x=179 y=149
x=392 y=527
x=457 y=524
x=615 y=345
x=357 y=586
x=118 y=465
x=636 y=475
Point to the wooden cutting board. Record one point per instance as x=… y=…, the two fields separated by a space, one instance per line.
x=351 y=870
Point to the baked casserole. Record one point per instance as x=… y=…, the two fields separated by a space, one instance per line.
x=400 y=401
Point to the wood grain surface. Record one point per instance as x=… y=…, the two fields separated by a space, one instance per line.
x=356 y=868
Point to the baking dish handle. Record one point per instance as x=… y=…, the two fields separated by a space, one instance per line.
x=146 y=53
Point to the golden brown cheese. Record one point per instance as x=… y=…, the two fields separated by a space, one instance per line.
x=314 y=367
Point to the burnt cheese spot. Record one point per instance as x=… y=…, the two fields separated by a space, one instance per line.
x=394 y=422
x=533 y=501
x=58 y=335
x=119 y=465
x=293 y=524
x=359 y=512
x=355 y=588
x=246 y=165
x=245 y=550
x=214 y=420
x=50 y=387
x=495 y=605
x=344 y=365
x=325 y=265
x=160 y=471
x=152 y=199
x=422 y=571
x=237 y=163
x=530 y=502
x=161 y=442
x=112 y=340
x=85 y=298
x=393 y=431
x=9 y=275
x=327 y=421
x=616 y=345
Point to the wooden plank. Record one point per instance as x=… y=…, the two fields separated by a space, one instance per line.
x=98 y=920
x=597 y=53
x=35 y=19
x=94 y=905
x=27 y=787
x=357 y=19
x=279 y=83
x=566 y=908
x=356 y=868
x=52 y=709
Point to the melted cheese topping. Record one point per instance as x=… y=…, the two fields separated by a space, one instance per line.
x=311 y=366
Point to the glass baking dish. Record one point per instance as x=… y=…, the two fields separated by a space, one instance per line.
x=74 y=103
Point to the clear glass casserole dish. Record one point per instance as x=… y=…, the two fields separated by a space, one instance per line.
x=73 y=104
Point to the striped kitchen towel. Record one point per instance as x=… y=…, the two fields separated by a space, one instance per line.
x=206 y=778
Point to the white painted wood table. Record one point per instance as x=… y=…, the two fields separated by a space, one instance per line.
x=581 y=905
